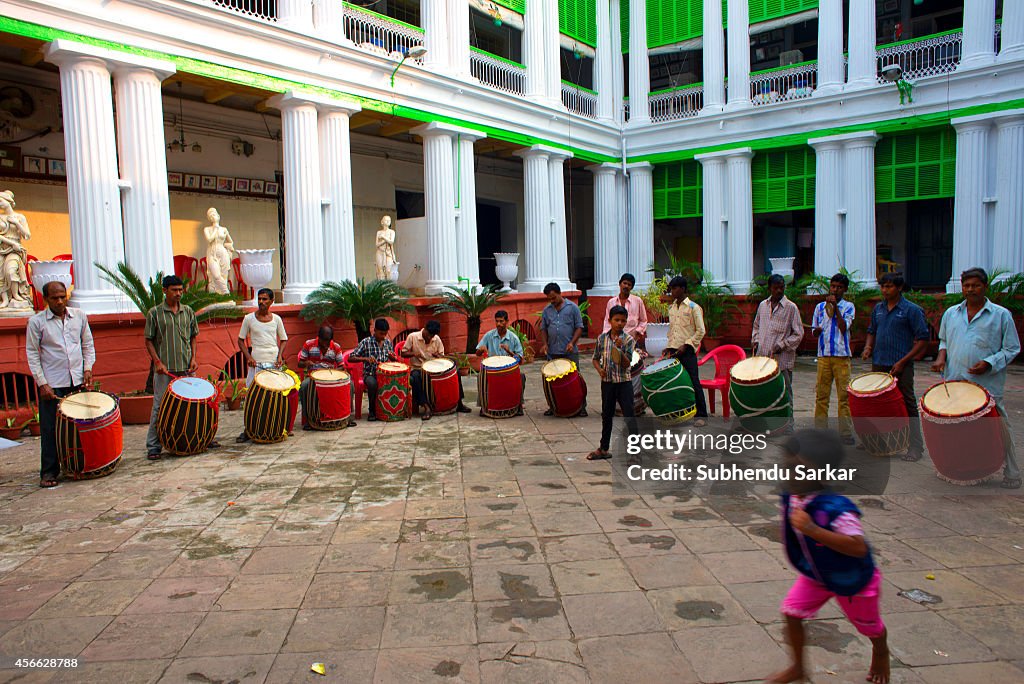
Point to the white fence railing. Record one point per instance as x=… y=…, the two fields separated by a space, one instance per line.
x=258 y=9
x=930 y=56
x=498 y=73
x=681 y=103
x=783 y=85
x=376 y=33
x=579 y=100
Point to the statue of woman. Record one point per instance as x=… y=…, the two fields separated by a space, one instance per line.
x=387 y=262
x=15 y=292
x=218 y=253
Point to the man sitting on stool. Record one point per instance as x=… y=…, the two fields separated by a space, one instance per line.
x=373 y=350
x=421 y=346
x=502 y=342
x=321 y=352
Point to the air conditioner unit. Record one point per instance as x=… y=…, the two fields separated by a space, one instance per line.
x=790 y=57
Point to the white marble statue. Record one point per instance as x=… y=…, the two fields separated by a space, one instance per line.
x=15 y=291
x=219 y=250
x=387 y=262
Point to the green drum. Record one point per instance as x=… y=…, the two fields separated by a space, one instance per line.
x=757 y=394
x=668 y=391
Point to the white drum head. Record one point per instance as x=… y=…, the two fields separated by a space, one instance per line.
x=963 y=399
x=328 y=375
x=274 y=380
x=498 y=361
x=438 y=365
x=556 y=368
x=755 y=368
x=872 y=382
x=393 y=367
x=87 y=405
x=636 y=358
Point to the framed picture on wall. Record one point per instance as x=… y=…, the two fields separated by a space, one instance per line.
x=33 y=164
x=174 y=179
x=256 y=186
x=241 y=185
x=225 y=184
x=55 y=167
x=209 y=183
x=271 y=188
x=10 y=158
x=191 y=181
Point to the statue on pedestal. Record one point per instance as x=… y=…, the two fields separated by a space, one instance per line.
x=219 y=249
x=15 y=290
x=387 y=262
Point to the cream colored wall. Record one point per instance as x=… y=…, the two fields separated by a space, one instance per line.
x=46 y=208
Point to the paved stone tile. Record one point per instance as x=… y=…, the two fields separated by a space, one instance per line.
x=450 y=664
x=490 y=526
x=669 y=570
x=577 y=548
x=334 y=629
x=505 y=550
x=735 y=567
x=240 y=632
x=626 y=612
x=103 y=597
x=998 y=627
x=956 y=590
x=257 y=592
x=143 y=637
x=434 y=529
x=512 y=582
x=958 y=552
x=429 y=624
x=1004 y=580
x=132 y=564
x=551 y=503
x=435 y=508
x=65 y=567
x=283 y=560
x=592 y=576
x=506 y=505
x=243 y=669
x=530 y=662
x=503 y=488
x=898 y=556
x=713 y=651
x=635 y=658
x=179 y=595
x=432 y=554
x=60 y=637
x=298 y=534
x=341 y=667
x=428 y=586
x=104 y=672
x=150 y=538
x=342 y=589
x=928 y=638
x=529 y=619
x=635 y=520
x=701 y=540
x=646 y=543
x=366 y=532
x=208 y=562
x=368 y=557
x=686 y=607
x=971 y=672
x=21 y=596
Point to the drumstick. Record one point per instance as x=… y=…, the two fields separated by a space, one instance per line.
x=72 y=400
x=945 y=388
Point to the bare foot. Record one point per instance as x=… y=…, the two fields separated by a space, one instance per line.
x=879 y=673
x=793 y=673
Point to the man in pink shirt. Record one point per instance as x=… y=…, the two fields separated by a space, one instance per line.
x=636 y=321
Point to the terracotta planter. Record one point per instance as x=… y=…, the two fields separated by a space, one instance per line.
x=136 y=410
x=474 y=363
x=234 y=404
x=34 y=428
x=464 y=371
x=10 y=433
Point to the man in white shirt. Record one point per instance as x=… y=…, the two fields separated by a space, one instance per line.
x=265 y=331
x=60 y=351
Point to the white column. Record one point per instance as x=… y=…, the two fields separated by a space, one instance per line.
x=606 y=230
x=641 y=222
x=829 y=209
x=329 y=21
x=434 y=15
x=143 y=159
x=622 y=197
x=534 y=52
x=863 y=71
x=1012 y=40
x=559 y=249
x=618 y=82
x=739 y=54
x=458 y=36
x=536 y=186
x=979 y=46
x=740 y=236
x=552 y=53
x=94 y=206
x=336 y=186
x=971 y=236
x=861 y=247
x=439 y=188
x=468 y=256
x=714 y=219
x=1008 y=239
x=639 y=66
x=714 y=59
x=296 y=15
x=303 y=219
x=830 y=47
x=604 y=78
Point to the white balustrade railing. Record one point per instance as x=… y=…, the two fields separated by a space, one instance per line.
x=783 y=84
x=377 y=33
x=929 y=56
x=579 y=100
x=678 y=103
x=258 y=9
x=498 y=73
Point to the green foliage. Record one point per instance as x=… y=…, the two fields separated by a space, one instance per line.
x=359 y=302
x=472 y=304
x=1005 y=289
x=584 y=313
x=146 y=295
x=718 y=304
x=717 y=301
x=817 y=285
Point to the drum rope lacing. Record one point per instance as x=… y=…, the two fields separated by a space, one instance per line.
x=780 y=402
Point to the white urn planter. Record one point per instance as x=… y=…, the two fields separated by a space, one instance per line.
x=257 y=268
x=48 y=271
x=507 y=269
x=657 y=338
x=783 y=266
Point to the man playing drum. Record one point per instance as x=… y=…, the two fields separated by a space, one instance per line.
x=266 y=332
x=371 y=351
x=977 y=341
x=421 y=346
x=502 y=342
x=60 y=353
x=636 y=321
x=561 y=326
x=685 y=331
x=898 y=334
x=778 y=329
x=320 y=352
x=831 y=326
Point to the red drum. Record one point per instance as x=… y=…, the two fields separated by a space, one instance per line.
x=963 y=432
x=394 y=397
x=90 y=439
x=564 y=387
x=501 y=387
x=441 y=381
x=879 y=414
x=328 y=399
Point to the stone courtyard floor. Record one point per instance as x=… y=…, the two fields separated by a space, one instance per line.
x=465 y=549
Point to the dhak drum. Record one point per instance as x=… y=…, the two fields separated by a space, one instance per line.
x=757 y=394
x=879 y=414
x=963 y=432
x=328 y=400
x=668 y=390
x=501 y=387
x=564 y=387
x=441 y=381
x=394 y=397
x=636 y=370
x=90 y=438
x=189 y=413
x=267 y=406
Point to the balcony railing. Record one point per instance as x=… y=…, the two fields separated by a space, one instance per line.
x=377 y=33
x=498 y=72
x=258 y=9
x=579 y=100
x=677 y=103
x=783 y=84
x=919 y=57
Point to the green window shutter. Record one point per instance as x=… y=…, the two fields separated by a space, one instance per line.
x=673 y=21
x=916 y=165
x=514 y=5
x=783 y=180
x=762 y=10
x=578 y=19
x=678 y=190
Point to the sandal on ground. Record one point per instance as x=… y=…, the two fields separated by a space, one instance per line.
x=214 y=445
x=351 y=423
x=700 y=422
x=242 y=438
x=1010 y=483
x=426 y=416
x=598 y=455
x=154 y=456
x=50 y=482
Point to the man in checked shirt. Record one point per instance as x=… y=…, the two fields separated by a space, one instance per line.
x=372 y=351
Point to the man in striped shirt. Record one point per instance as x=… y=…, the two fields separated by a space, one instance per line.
x=321 y=352
x=831 y=325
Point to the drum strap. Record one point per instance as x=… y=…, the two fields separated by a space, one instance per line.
x=779 y=402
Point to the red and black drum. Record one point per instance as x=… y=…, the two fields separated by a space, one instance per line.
x=90 y=438
x=441 y=381
x=501 y=387
x=189 y=416
x=328 y=400
x=564 y=388
x=963 y=432
x=879 y=414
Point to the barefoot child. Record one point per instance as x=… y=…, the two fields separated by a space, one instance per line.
x=825 y=542
x=613 y=355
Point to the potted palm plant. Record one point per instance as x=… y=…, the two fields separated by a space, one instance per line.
x=718 y=305
x=472 y=304
x=136 y=406
x=360 y=302
x=10 y=425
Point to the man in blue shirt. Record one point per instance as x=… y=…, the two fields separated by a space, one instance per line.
x=503 y=342
x=977 y=341
x=831 y=326
x=561 y=326
x=898 y=334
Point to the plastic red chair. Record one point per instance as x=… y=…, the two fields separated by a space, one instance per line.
x=241 y=289
x=67 y=257
x=37 y=297
x=398 y=353
x=725 y=357
x=202 y=270
x=186 y=267
x=355 y=370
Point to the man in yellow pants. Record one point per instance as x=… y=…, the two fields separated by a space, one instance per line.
x=831 y=327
